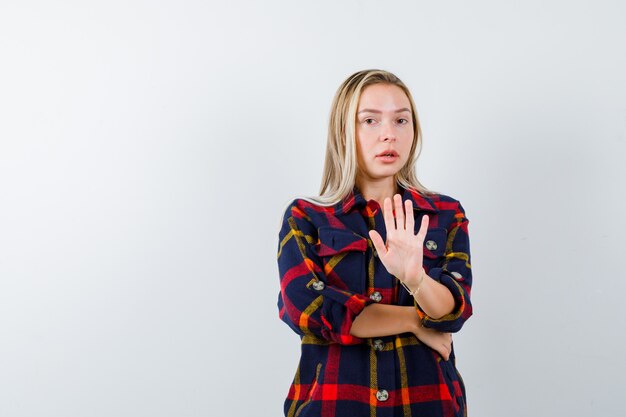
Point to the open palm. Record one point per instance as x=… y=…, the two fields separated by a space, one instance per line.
x=402 y=254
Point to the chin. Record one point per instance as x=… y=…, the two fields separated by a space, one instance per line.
x=385 y=174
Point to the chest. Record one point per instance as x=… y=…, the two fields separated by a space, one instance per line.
x=351 y=262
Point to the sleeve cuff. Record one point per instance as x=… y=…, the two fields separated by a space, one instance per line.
x=338 y=311
x=444 y=277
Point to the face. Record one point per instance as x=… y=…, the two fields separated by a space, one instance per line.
x=383 y=123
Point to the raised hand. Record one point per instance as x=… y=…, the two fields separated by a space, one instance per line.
x=403 y=252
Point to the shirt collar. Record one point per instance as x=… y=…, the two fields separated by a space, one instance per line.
x=355 y=200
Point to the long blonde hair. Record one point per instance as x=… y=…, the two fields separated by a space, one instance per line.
x=340 y=164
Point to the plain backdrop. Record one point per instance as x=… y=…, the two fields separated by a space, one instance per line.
x=148 y=148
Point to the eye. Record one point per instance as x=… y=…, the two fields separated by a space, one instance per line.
x=405 y=121
x=367 y=120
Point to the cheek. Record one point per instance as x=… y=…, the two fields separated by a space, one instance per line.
x=365 y=142
x=361 y=146
x=405 y=157
x=362 y=157
x=407 y=146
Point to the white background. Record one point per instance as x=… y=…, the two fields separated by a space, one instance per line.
x=148 y=148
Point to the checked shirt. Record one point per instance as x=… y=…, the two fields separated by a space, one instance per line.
x=329 y=271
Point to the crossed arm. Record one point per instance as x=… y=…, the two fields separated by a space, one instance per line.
x=377 y=320
x=435 y=299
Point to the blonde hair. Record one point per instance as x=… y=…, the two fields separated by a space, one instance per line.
x=340 y=164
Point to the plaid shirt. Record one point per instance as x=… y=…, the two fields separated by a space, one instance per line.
x=329 y=271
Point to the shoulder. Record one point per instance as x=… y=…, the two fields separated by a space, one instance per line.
x=444 y=201
x=450 y=209
x=441 y=201
x=300 y=207
x=306 y=214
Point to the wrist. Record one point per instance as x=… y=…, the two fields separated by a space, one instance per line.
x=414 y=277
x=413 y=320
x=413 y=288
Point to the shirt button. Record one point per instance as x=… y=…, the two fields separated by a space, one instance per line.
x=431 y=245
x=456 y=275
x=378 y=345
x=375 y=254
x=318 y=285
x=382 y=395
x=376 y=296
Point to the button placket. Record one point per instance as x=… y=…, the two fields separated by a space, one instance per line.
x=382 y=395
x=379 y=345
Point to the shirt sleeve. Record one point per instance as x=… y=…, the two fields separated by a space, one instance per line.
x=455 y=273
x=306 y=302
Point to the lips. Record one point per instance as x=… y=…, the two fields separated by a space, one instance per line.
x=389 y=152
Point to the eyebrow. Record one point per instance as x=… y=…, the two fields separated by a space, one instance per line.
x=378 y=111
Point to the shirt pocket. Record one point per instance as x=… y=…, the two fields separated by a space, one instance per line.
x=343 y=255
x=434 y=247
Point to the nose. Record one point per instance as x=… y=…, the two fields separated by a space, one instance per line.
x=388 y=133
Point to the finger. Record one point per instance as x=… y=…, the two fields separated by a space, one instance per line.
x=397 y=198
x=421 y=234
x=377 y=240
x=410 y=217
x=388 y=216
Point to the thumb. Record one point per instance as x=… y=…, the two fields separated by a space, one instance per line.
x=377 y=240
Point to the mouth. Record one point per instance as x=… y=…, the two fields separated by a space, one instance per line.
x=388 y=157
x=388 y=154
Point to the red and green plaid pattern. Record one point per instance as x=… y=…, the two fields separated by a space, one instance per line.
x=329 y=272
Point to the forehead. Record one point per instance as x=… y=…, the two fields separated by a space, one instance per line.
x=383 y=97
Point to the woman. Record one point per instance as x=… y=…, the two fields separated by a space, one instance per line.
x=375 y=272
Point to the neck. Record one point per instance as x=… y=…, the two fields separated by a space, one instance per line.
x=378 y=190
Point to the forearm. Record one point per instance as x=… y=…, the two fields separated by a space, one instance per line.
x=377 y=320
x=434 y=298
